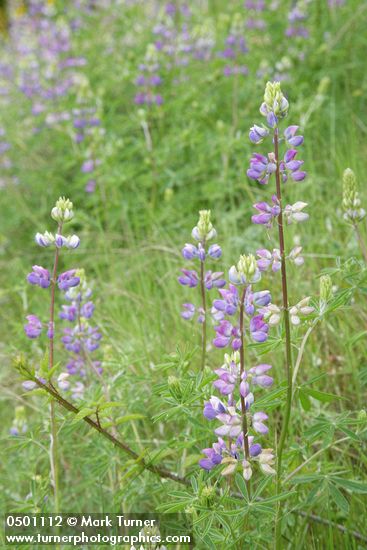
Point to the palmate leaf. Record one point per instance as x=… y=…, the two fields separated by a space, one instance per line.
x=270 y=345
x=341 y=299
x=304 y=400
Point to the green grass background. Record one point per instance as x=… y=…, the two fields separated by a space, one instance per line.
x=132 y=229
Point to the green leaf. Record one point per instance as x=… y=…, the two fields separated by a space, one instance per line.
x=339 y=499
x=85 y=411
x=349 y=433
x=351 y=485
x=341 y=299
x=321 y=396
x=241 y=484
x=304 y=400
x=109 y=405
x=43 y=370
x=276 y=498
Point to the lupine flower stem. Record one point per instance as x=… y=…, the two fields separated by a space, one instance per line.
x=288 y=342
x=203 y=305
x=54 y=446
x=242 y=368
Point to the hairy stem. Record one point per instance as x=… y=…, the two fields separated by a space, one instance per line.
x=203 y=305
x=54 y=463
x=288 y=345
x=242 y=368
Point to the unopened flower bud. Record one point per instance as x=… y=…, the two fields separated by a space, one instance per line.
x=353 y=213
x=246 y=271
x=326 y=289
x=44 y=239
x=62 y=212
x=204 y=230
x=275 y=104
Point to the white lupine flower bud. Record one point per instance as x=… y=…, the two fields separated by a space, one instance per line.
x=72 y=241
x=45 y=239
x=246 y=271
x=302 y=308
x=266 y=461
x=231 y=465
x=62 y=212
x=204 y=230
x=274 y=100
x=247 y=470
x=272 y=314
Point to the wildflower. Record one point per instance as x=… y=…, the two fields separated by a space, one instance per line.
x=291 y=137
x=189 y=278
x=353 y=213
x=258 y=134
x=246 y=271
x=189 y=312
x=275 y=105
x=271 y=314
x=63 y=210
x=229 y=302
x=226 y=334
x=213 y=407
x=213 y=454
x=261 y=167
x=39 y=276
x=291 y=167
x=255 y=299
x=267 y=259
x=258 y=422
x=300 y=309
x=204 y=230
x=258 y=376
x=267 y=212
x=45 y=239
x=82 y=339
x=68 y=279
x=72 y=241
x=259 y=329
x=266 y=461
x=214 y=280
x=293 y=213
x=34 y=326
x=295 y=256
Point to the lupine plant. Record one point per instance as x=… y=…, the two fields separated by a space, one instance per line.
x=282 y=168
x=80 y=340
x=236 y=448
x=205 y=280
x=50 y=280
